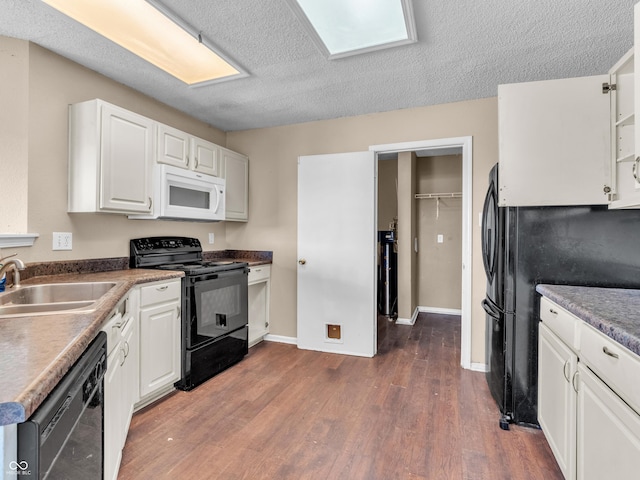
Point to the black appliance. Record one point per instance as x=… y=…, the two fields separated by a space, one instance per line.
x=215 y=306
x=525 y=246
x=64 y=438
x=387 y=274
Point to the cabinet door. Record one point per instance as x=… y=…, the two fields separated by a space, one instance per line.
x=130 y=370
x=608 y=432
x=126 y=149
x=258 y=294
x=236 y=174
x=159 y=347
x=173 y=146
x=557 y=398
x=625 y=168
x=112 y=414
x=554 y=142
x=205 y=157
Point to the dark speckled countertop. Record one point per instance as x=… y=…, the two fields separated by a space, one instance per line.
x=613 y=311
x=37 y=351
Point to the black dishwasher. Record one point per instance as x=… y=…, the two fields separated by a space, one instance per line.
x=64 y=437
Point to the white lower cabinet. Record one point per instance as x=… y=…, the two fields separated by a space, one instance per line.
x=259 y=294
x=557 y=398
x=159 y=339
x=608 y=432
x=593 y=433
x=120 y=385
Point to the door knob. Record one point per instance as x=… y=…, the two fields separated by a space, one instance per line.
x=302 y=261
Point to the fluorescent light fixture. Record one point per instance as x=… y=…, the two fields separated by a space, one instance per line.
x=342 y=28
x=154 y=33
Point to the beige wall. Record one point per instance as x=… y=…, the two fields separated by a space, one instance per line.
x=53 y=84
x=14 y=96
x=440 y=264
x=273 y=154
x=387 y=192
x=407 y=228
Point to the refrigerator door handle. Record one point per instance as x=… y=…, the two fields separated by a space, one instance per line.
x=486 y=242
x=490 y=309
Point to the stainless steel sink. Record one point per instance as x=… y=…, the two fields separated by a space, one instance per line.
x=52 y=298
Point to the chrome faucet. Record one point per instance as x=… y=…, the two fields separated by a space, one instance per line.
x=14 y=263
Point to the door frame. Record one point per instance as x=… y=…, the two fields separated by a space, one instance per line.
x=466 y=144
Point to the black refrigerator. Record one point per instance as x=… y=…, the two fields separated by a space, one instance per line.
x=525 y=246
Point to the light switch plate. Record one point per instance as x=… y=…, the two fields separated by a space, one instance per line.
x=212 y=238
x=62 y=241
x=440 y=238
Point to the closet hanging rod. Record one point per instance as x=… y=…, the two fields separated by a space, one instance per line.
x=438 y=195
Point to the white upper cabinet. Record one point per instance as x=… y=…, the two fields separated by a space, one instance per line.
x=173 y=146
x=205 y=156
x=235 y=170
x=554 y=142
x=571 y=141
x=625 y=188
x=110 y=159
x=180 y=149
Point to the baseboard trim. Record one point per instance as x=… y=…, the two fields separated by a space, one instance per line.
x=408 y=321
x=479 y=367
x=440 y=311
x=281 y=339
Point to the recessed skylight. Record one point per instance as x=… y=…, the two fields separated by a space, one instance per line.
x=160 y=38
x=349 y=27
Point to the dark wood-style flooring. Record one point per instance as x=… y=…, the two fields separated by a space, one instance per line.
x=411 y=412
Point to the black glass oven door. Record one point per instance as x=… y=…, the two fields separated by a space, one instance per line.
x=218 y=307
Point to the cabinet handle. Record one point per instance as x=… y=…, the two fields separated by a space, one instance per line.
x=553 y=311
x=124 y=357
x=126 y=353
x=187 y=160
x=634 y=169
x=606 y=350
x=564 y=371
x=150 y=203
x=178 y=309
x=164 y=287
x=573 y=381
x=196 y=164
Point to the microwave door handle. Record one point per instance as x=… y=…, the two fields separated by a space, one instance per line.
x=219 y=193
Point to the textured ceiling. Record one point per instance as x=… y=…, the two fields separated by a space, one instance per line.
x=464 y=50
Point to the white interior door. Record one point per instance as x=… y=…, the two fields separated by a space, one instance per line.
x=337 y=253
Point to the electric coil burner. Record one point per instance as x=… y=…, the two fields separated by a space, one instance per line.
x=214 y=304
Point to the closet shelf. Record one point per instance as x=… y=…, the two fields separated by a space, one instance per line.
x=421 y=196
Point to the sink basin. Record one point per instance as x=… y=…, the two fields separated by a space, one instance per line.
x=52 y=298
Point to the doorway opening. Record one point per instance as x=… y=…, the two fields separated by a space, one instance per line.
x=433 y=218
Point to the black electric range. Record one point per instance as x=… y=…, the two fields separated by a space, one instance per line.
x=214 y=304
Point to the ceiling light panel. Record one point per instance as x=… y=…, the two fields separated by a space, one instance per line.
x=348 y=27
x=139 y=27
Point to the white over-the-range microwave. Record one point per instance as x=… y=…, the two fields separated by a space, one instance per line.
x=180 y=194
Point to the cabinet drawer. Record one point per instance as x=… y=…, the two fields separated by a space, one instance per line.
x=259 y=272
x=112 y=329
x=159 y=293
x=616 y=365
x=560 y=322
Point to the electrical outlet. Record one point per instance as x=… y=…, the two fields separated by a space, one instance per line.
x=440 y=238
x=62 y=241
x=211 y=238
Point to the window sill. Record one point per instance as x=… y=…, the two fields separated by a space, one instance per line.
x=10 y=240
